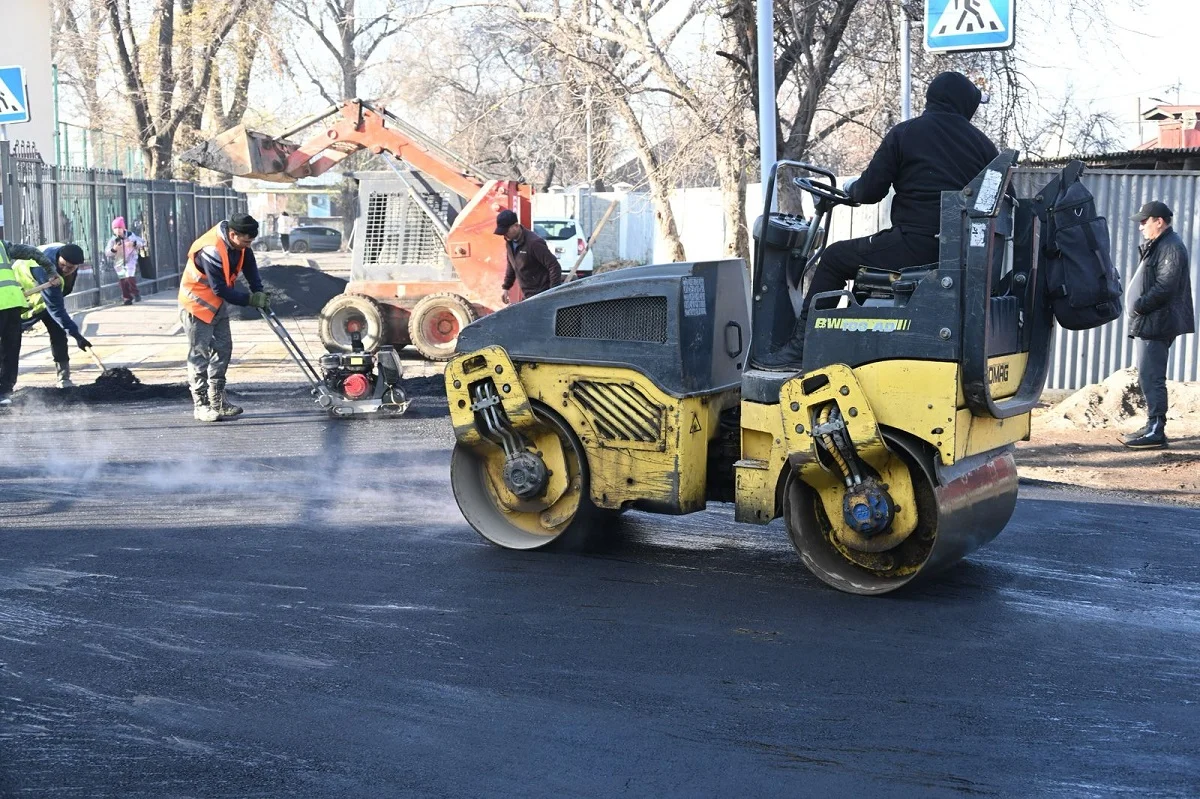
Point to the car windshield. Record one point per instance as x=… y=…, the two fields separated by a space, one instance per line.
x=555 y=229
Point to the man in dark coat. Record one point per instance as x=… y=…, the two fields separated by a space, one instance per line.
x=938 y=151
x=530 y=262
x=1160 y=309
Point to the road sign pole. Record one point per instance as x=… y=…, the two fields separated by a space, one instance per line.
x=905 y=66
x=766 y=91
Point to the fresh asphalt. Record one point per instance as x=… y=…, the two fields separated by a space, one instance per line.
x=287 y=605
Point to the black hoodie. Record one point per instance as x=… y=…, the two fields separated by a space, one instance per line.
x=938 y=151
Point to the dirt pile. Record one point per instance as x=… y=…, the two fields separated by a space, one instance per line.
x=1117 y=401
x=296 y=291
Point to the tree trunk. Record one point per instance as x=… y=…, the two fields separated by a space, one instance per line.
x=731 y=168
x=660 y=190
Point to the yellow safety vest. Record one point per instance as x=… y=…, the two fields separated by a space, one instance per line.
x=24 y=270
x=11 y=293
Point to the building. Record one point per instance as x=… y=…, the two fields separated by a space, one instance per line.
x=1175 y=147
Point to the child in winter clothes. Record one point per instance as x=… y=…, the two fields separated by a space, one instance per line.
x=124 y=247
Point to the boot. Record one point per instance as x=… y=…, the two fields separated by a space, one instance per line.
x=218 y=401
x=201 y=411
x=788 y=357
x=64 y=375
x=1136 y=434
x=1155 y=436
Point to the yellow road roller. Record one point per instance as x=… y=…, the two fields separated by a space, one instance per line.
x=888 y=456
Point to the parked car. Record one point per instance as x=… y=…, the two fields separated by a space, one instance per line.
x=315 y=238
x=566 y=241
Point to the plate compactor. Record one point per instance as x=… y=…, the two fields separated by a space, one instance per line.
x=889 y=456
x=349 y=383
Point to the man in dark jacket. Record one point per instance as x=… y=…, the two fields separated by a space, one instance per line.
x=1160 y=309
x=920 y=158
x=50 y=308
x=530 y=262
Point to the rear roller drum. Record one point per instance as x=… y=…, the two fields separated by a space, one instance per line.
x=959 y=509
x=526 y=503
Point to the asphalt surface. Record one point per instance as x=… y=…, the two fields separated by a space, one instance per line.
x=290 y=605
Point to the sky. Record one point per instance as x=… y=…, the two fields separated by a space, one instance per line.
x=1137 y=53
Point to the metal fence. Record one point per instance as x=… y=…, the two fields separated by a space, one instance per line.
x=43 y=204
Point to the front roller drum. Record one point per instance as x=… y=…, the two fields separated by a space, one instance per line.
x=484 y=484
x=959 y=509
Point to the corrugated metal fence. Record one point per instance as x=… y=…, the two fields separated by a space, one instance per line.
x=1089 y=356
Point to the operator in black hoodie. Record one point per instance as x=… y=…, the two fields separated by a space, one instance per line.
x=938 y=151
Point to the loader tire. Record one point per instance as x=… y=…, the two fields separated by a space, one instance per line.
x=345 y=309
x=435 y=322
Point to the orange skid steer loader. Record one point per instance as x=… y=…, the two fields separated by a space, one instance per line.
x=395 y=301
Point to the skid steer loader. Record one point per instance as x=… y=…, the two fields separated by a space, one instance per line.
x=888 y=456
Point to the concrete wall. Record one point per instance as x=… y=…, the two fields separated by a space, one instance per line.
x=28 y=45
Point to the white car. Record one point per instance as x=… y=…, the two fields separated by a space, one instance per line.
x=566 y=241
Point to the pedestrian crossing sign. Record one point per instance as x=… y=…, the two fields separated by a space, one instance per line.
x=968 y=25
x=14 y=104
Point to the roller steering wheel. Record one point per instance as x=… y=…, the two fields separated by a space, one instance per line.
x=826 y=191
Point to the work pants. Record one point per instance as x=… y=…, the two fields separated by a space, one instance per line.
x=58 y=337
x=129 y=288
x=1152 y=374
x=284 y=241
x=10 y=348
x=210 y=348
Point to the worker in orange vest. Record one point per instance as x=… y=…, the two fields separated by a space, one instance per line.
x=207 y=288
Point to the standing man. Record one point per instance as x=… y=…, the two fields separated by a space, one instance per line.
x=285 y=225
x=530 y=262
x=920 y=158
x=12 y=305
x=1161 y=309
x=49 y=306
x=206 y=289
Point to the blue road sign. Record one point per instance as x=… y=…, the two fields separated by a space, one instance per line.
x=968 y=25
x=14 y=102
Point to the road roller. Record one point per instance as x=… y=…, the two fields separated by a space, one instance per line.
x=889 y=455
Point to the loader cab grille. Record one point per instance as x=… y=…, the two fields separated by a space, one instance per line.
x=627 y=319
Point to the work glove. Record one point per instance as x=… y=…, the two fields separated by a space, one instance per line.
x=846 y=186
x=259 y=299
x=83 y=343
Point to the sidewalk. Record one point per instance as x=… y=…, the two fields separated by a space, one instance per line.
x=148 y=338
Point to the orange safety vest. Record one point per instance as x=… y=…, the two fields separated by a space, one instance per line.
x=194 y=292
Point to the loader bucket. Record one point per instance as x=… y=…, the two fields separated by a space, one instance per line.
x=243 y=153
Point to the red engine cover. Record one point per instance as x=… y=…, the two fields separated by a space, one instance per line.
x=356 y=387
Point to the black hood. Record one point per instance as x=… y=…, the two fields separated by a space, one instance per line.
x=954 y=93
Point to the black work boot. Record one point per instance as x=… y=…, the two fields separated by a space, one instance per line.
x=1155 y=436
x=201 y=411
x=788 y=357
x=219 y=402
x=64 y=375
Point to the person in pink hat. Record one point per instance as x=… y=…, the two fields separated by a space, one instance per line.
x=123 y=247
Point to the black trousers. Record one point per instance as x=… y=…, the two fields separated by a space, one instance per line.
x=10 y=347
x=58 y=337
x=1152 y=374
x=284 y=241
x=887 y=249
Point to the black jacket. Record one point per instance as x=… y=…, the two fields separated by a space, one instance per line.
x=938 y=151
x=1161 y=291
x=531 y=263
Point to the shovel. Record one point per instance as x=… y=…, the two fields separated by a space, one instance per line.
x=92 y=352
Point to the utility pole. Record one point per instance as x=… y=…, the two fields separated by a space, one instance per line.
x=766 y=92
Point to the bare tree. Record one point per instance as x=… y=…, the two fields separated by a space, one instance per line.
x=349 y=32
x=163 y=90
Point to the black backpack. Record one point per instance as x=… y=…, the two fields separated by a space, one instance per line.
x=1083 y=285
